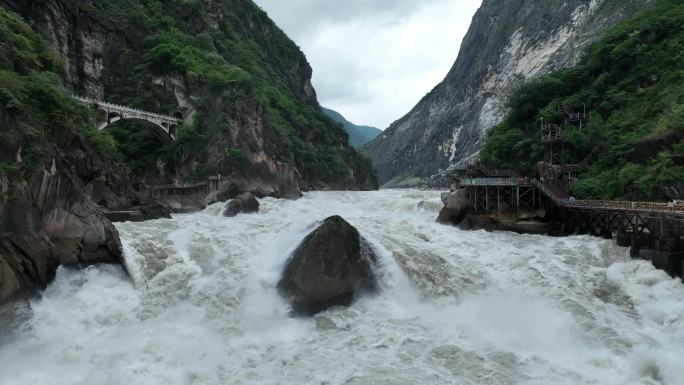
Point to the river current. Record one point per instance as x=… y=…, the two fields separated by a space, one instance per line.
x=455 y=307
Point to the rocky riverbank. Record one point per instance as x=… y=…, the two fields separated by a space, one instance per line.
x=457 y=211
x=243 y=91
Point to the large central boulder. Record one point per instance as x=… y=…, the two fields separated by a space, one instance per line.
x=332 y=266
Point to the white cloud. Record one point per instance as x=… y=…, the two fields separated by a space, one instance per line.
x=373 y=60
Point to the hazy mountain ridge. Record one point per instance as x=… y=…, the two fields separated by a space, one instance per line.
x=358 y=135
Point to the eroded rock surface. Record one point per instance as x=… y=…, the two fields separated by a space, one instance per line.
x=508 y=42
x=245 y=203
x=332 y=266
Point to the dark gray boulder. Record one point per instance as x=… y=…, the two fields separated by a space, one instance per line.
x=456 y=206
x=330 y=267
x=479 y=222
x=155 y=211
x=245 y=203
x=27 y=264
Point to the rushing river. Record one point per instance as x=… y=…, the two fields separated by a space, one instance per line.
x=455 y=307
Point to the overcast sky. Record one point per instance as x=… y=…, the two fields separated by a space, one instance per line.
x=373 y=60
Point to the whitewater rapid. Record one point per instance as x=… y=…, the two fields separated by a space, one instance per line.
x=455 y=307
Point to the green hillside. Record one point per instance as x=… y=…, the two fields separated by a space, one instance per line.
x=248 y=85
x=632 y=83
x=36 y=115
x=358 y=135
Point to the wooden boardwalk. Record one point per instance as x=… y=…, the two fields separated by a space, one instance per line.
x=652 y=229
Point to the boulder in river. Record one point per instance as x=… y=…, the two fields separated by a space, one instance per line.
x=245 y=203
x=330 y=267
x=456 y=206
x=479 y=222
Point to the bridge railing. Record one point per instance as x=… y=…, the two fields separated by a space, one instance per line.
x=125 y=108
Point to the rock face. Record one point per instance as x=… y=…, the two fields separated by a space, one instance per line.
x=52 y=178
x=508 y=41
x=456 y=205
x=48 y=216
x=56 y=175
x=245 y=203
x=331 y=266
x=103 y=50
x=48 y=220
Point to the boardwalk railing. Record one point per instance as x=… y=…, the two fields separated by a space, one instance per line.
x=563 y=201
x=609 y=205
x=628 y=206
x=553 y=134
x=577 y=116
x=212 y=183
x=546 y=190
x=491 y=182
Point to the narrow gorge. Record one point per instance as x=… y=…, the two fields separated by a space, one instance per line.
x=177 y=208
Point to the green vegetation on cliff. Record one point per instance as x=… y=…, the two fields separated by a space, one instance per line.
x=358 y=135
x=35 y=113
x=632 y=83
x=234 y=61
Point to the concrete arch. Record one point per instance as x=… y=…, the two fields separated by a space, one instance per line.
x=161 y=131
x=164 y=127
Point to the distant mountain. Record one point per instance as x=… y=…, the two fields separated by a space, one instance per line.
x=358 y=135
x=508 y=42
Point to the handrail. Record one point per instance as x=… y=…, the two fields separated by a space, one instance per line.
x=490 y=182
x=576 y=116
x=676 y=208
x=612 y=205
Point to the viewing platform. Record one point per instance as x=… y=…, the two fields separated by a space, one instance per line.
x=653 y=230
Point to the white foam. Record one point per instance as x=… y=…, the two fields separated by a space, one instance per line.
x=455 y=307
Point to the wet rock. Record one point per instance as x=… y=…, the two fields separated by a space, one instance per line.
x=155 y=211
x=27 y=264
x=245 y=203
x=479 y=222
x=525 y=227
x=330 y=267
x=82 y=235
x=456 y=205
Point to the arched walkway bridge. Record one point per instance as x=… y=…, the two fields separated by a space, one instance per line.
x=164 y=127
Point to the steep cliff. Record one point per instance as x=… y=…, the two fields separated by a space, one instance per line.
x=631 y=146
x=243 y=86
x=508 y=41
x=50 y=172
